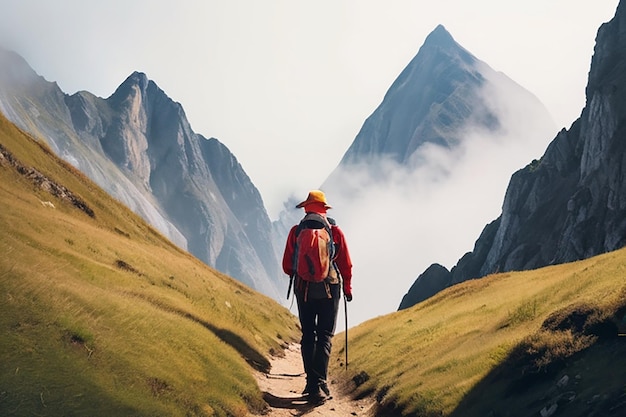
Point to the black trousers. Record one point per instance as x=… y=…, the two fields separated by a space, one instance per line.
x=318 y=318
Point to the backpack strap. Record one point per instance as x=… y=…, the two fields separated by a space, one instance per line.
x=303 y=285
x=310 y=221
x=332 y=223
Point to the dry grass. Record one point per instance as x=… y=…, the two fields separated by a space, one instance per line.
x=102 y=315
x=426 y=360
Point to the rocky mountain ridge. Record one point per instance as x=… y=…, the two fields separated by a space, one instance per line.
x=138 y=145
x=423 y=163
x=442 y=94
x=568 y=205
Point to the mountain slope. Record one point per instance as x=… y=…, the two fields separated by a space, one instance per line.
x=510 y=344
x=102 y=315
x=570 y=204
x=439 y=93
x=428 y=162
x=138 y=145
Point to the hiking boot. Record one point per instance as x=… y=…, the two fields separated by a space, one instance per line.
x=324 y=387
x=316 y=395
x=309 y=388
x=317 y=391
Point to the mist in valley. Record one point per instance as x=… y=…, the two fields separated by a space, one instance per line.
x=399 y=218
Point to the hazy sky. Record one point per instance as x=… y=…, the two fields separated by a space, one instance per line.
x=285 y=82
x=267 y=78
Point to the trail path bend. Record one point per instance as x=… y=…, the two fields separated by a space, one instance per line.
x=283 y=385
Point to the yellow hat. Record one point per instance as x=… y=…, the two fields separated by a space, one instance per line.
x=315 y=196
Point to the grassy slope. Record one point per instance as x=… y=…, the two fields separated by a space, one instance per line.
x=479 y=348
x=104 y=316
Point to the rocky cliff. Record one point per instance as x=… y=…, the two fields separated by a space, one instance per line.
x=441 y=94
x=138 y=145
x=445 y=110
x=571 y=203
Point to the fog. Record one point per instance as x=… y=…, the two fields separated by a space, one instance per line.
x=399 y=220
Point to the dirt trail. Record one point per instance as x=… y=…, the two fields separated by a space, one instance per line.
x=283 y=385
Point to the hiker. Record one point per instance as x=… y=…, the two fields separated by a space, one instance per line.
x=318 y=302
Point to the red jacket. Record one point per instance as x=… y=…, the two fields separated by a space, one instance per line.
x=342 y=258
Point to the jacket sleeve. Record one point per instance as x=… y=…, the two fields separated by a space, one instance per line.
x=343 y=261
x=290 y=247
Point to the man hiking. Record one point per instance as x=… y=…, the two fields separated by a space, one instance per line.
x=316 y=257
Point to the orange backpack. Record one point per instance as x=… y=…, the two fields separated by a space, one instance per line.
x=315 y=249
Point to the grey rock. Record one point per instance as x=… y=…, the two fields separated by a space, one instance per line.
x=139 y=147
x=570 y=204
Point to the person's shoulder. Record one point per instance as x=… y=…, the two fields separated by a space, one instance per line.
x=334 y=226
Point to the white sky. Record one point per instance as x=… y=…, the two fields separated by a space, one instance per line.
x=286 y=82
x=268 y=78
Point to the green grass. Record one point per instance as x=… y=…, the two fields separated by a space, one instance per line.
x=101 y=315
x=482 y=346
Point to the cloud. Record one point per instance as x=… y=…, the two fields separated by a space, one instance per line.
x=399 y=219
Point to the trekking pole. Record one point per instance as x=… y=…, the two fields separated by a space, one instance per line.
x=345 y=305
x=290 y=284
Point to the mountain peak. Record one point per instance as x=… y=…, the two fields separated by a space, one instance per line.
x=442 y=41
x=425 y=93
x=137 y=78
x=568 y=205
x=14 y=69
x=439 y=37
